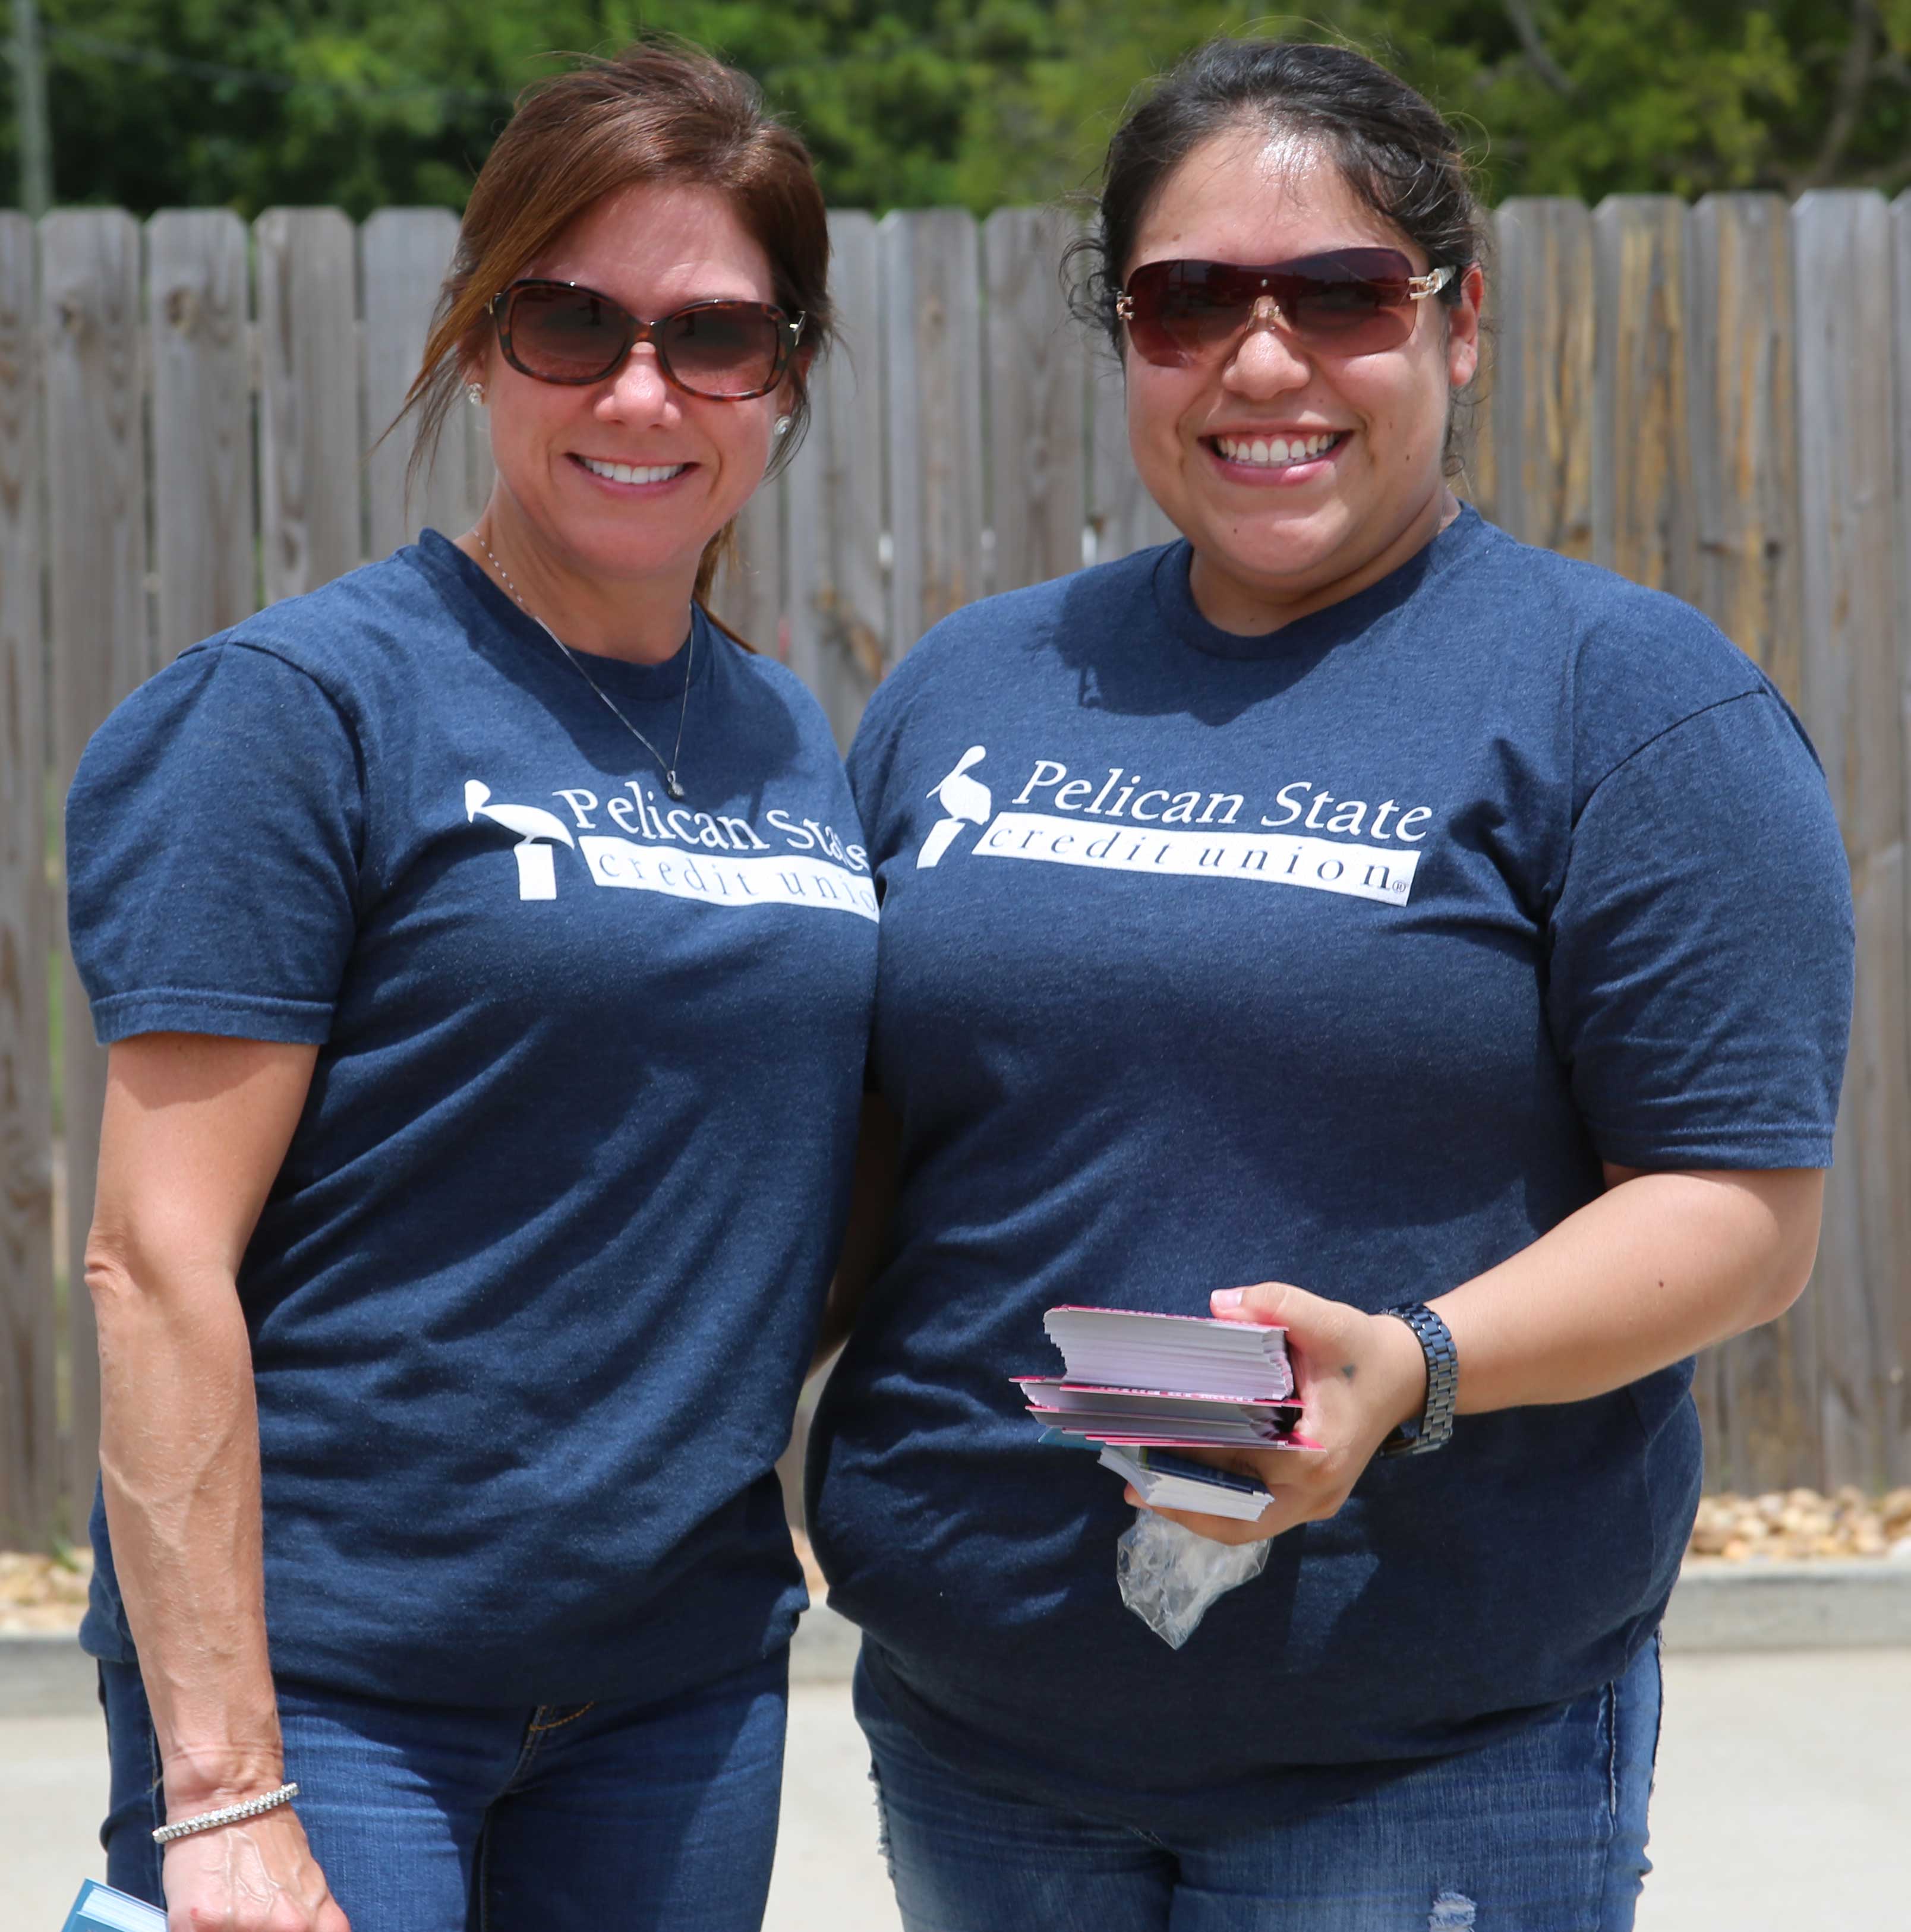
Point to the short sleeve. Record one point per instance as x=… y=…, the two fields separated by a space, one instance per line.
x=1700 y=978
x=213 y=834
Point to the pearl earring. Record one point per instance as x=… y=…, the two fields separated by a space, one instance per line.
x=474 y=394
x=782 y=425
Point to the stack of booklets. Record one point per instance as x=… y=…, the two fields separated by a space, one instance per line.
x=1138 y=1387
x=100 y=1909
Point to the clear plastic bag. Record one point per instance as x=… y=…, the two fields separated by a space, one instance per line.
x=1169 y=1576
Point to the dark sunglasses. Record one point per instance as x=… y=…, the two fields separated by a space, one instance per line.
x=558 y=332
x=1348 y=301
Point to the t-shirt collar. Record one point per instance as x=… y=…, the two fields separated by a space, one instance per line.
x=472 y=592
x=1319 y=630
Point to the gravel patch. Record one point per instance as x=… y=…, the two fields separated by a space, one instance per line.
x=1798 y=1525
x=42 y=1593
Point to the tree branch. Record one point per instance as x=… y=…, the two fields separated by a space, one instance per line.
x=1548 y=69
x=1854 y=77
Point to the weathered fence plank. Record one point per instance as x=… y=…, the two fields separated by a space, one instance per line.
x=1669 y=390
x=310 y=447
x=1853 y=703
x=403 y=253
x=1542 y=409
x=91 y=319
x=1897 y=1382
x=29 y=1448
x=1758 y=1394
x=1743 y=429
x=839 y=604
x=932 y=408
x=197 y=308
x=1037 y=385
x=1122 y=514
x=1757 y=1401
x=1642 y=461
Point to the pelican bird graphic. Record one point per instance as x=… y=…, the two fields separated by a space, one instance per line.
x=967 y=800
x=537 y=873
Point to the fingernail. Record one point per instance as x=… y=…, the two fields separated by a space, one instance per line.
x=1226 y=1297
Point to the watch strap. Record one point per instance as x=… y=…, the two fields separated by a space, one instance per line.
x=1434 y=1425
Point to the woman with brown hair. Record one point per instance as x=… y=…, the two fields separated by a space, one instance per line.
x=486 y=949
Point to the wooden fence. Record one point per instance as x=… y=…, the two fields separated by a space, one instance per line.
x=1713 y=399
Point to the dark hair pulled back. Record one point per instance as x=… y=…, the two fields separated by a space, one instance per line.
x=1393 y=147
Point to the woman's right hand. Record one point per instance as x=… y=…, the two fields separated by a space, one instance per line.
x=257 y=1876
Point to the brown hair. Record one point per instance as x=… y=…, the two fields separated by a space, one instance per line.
x=661 y=111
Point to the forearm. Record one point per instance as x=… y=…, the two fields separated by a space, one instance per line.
x=1658 y=1267
x=179 y=1467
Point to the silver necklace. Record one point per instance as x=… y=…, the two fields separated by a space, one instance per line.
x=669 y=769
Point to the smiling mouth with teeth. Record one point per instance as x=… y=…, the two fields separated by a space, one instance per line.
x=1273 y=452
x=632 y=473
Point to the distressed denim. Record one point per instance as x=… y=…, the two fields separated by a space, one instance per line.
x=612 y=1815
x=1542 y=1831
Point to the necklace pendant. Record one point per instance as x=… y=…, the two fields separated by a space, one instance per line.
x=670 y=785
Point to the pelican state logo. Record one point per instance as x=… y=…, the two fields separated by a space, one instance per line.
x=967 y=800
x=1119 y=821
x=538 y=830
x=637 y=843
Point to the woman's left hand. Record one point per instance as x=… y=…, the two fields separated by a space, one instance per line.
x=1358 y=1378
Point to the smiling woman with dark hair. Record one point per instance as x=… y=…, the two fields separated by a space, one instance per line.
x=1421 y=943
x=486 y=947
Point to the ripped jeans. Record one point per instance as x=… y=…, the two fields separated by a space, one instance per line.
x=1542 y=1831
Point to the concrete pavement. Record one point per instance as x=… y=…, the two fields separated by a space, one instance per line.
x=1783 y=1804
x=1783 y=1801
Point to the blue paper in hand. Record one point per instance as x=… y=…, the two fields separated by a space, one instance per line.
x=100 y=1909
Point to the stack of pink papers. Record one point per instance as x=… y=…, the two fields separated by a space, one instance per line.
x=1162 y=1417
x=1172 y=1382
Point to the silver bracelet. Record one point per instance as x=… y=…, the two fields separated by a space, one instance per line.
x=231 y=1814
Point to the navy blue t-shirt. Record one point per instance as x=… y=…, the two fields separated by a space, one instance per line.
x=534 y=1292
x=1341 y=956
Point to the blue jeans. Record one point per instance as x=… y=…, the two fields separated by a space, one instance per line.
x=1542 y=1831
x=617 y=1816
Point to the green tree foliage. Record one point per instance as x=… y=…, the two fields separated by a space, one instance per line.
x=1585 y=97
x=171 y=103
x=179 y=103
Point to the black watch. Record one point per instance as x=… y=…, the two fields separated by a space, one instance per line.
x=1435 y=1423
